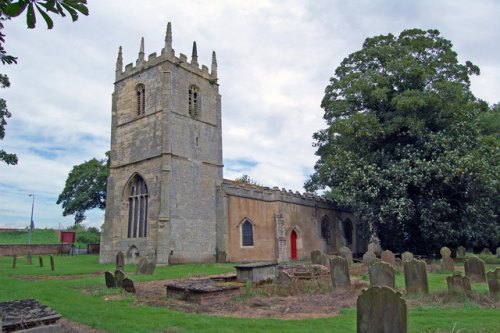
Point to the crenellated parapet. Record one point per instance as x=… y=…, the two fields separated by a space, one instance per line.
x=268 y=194
x=167 y=54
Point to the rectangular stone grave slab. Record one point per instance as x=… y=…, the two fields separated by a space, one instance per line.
x=26 y=313
x=202 y=291
x=256 y=272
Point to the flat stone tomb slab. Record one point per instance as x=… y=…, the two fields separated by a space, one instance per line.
x=202 y=291
x=257 y=272
x=26 y=313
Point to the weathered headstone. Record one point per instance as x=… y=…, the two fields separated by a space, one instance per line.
x=150 y=267
x=120 y=261
x=458 y=284
x=316 y=257
x=498 y=252
x=284 y=278
x=461 y=252
x=128 y=285
x=445 y=252
x=381 y=309
x=119 y=277
x=29 y=258
x=346 y=253
x=14 y=261
x=375 y=247
x=494 y=283
x=416 y=276
x=325 y=260
x=447 y=264
x=339 y=270
x=140 y=268
x=486 y=251
x=110 y=280
x=52 y=263
x=406 y=256
x=369 y=258
x=399 y=262
x=388 y=257
x=40 y=260
x=474 y=269
x=382 y=274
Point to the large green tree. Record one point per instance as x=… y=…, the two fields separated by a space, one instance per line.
x=404 y=146
x=85 y=188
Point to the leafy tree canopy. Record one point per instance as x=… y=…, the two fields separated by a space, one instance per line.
x=408 y=147
x=4 y=115
x=85 y=188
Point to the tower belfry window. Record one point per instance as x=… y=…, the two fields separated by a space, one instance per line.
x=194 y=101
x=141 y=99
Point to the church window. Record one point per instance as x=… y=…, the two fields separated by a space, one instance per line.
x=141 y=99
x=348 y=231
x=194 y=101
x=325 y=229
x=247 y=233
x=138 y=209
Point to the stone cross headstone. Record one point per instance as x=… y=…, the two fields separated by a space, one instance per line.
x=474 y=269
x=416 y=276
x=406 y=256
x=381 y=309
x=140 y=268
x=14 y=261
x=128 y=285
x=461 y=252
x=120 y=261
x=369 y=258
x=29 y=258
x=40 y=260
x=339 y=270
x=346 y=253
x=316 y=257
x=498 y=252
x=52 y=263
x=445 y=252
x=325 y=260
x=388 y=257
x=458 y=284
x=382 y=274
x=119 y=277
x=110 y=280
x=494 y=283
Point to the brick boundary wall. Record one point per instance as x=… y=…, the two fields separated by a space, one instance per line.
x=22 y=249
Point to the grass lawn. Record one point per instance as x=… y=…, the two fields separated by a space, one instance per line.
x=76 y=290
x=39 y=236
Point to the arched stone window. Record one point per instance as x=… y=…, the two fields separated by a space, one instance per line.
x=325 y=229
x=247 y=233
x=137 y=208
x=141 y=99
x=194 y=100
x=348 y=231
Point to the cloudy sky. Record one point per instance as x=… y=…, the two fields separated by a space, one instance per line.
x=275 y=58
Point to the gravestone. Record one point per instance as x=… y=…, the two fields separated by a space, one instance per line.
x=140 y=268
x=339 y=270
x=29 y=258
x=52 y=263
x=375 y=247
x=416 y=276
x=381 y=309
x=382 y=274
x=325 y=260
x=40 y=260
x=14 y=261
x=284 y=278
x=316 y=257
x=369 y=258
x=128 y=285
x=445 y=252
x=461 y=252
x=388 y=257
x=498 y=252
x=458 y=284
x=406 y=256
x=346 y=253
x=150 y=267
x=120 y=261
x=119 y=277
x=474 y=269
x=447 y=264
x=494 y=283
x=486 y=251
x=110 y=280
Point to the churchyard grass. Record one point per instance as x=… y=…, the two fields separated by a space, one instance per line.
x=76 y=290
x=38 y=236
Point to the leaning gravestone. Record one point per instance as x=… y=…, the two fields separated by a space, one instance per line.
x=474 y=269
x=381 y=309
x=110 y=280
x=494 y=283
x=119 y=277
x=461 y=252
x=120 y=261
x=29 y=258
x=40 y=260
x=128 y=285
x=406 y=256
x=416 y=276
x=388 y=257
x=14 y=261
x=316 y=257
x=458 y=284
x=150 y=267
x=52 y=263
x=369 y=258
x=140 y=268
x=346 y=253
x=339 y=270
x=498 y=252
x=382 y=274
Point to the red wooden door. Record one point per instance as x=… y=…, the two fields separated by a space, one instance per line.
x=293 y=245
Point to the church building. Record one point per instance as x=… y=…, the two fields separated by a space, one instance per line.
x=167 y=199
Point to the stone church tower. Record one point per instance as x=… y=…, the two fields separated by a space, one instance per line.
x=166 y=159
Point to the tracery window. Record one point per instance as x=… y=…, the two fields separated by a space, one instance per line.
x=325 y=229
x=194 y=101
x=247 y=233
x=138 y=209
x=141 y=99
